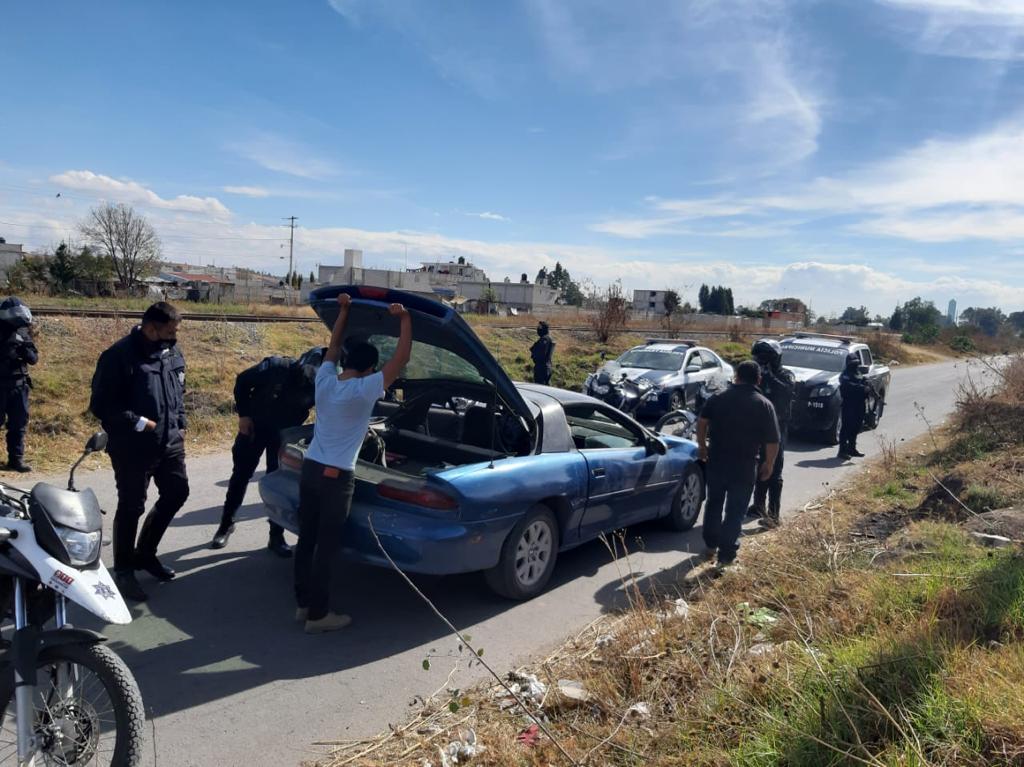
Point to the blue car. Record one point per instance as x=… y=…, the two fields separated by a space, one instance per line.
x=465 y=471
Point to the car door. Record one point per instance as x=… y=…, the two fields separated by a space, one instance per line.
x=628 y=481
x=714 y=373
x=694 y=375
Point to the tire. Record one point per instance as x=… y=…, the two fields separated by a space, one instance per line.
x=832 y=433
x=877 y=412
x=536 y=534
x=677 y=423
x=121 y=691
x=677 y=401
x=687 y=501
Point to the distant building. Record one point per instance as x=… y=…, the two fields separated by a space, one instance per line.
x=649 y=301
x=459 y=282
x=951 y=315
x=10 y=254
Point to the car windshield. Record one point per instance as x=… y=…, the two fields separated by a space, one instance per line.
x=427 y=361
x=648 y=360
x=815 y=357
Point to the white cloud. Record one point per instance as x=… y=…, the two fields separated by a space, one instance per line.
x=489 y=216
x=756 y=84
x=944 y=190
x=347 y=8
x=982 y=29
x=284 y=156
x=133 y=192
x=247 y=191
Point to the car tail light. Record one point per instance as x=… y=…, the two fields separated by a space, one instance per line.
x=377 y=294
x=290 y=458
x=417 y=494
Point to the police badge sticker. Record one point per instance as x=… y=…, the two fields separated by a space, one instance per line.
x=103 y=590
x=181 y=377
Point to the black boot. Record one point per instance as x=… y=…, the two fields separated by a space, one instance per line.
x=18 y=465
x=129 y=586
x=775 y=503
x=151 y=565
x=220 y=538
x=277 y=545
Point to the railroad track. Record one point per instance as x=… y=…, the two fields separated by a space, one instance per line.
x=56 y=311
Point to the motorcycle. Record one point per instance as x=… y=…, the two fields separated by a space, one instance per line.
x=619 y=391
x=683 y=423
x=65 y=698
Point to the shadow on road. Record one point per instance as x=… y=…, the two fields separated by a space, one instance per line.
x=225 y=624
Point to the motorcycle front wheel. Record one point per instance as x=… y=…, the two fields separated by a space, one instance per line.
x=677 y=423
x=87 y=711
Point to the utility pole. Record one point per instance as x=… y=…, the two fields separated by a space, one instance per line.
x=291 y=249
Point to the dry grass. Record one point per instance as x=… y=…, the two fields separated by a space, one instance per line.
x=215 y=353
x=896 y=641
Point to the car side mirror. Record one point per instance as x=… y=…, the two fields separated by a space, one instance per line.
x=693 y=368
x=655 y=445
x=97 y=442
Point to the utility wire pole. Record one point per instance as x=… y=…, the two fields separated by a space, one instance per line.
x=291 y=249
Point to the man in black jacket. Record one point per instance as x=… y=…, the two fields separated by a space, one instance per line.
x=779 y=386
x=541 y=352
x=854 y=389
x=138 y=394
x=273 y=395
x=17 y=352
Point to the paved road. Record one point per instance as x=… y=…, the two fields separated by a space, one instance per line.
x=229 y=679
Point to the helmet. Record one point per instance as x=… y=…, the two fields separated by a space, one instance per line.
x=311 y=361
x=852 y=359
x=767 y=351
x=13 y=312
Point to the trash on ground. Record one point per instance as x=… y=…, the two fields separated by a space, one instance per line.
x=762 y=617
x=639 y=712
x=530 y=736
x=992 y=541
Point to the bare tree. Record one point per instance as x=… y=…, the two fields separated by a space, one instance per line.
x=611 y=311
x=126 y=237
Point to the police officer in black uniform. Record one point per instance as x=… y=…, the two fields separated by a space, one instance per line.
x=541 y=352
x=17 y=352
x=779 y=386
x=273 y=395
x=138 y=393
x=854 y=389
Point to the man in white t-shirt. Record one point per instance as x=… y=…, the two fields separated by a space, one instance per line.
x=344 y=404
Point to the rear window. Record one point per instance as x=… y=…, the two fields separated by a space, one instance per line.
x=427 y=361
x=648 y=360
x=828 y=358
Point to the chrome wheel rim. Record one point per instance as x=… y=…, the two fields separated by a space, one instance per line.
x=690 y=498
x=533 y=552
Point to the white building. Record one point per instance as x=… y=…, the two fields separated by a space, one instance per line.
x=10 y=254
x=458 y=281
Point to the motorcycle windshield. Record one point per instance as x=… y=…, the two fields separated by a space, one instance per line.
x=78 y=511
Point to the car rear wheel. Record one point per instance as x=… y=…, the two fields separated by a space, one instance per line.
x=527 y=557
x=688 y=499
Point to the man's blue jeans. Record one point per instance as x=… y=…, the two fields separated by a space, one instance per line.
x=729 y=487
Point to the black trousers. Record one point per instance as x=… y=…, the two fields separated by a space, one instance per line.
x=245 y=459
x=14 y=413
x=729 y=487
x=325 y=500
x=771 y=489
x=132 y=473
x=542 y=374
x=853 y=420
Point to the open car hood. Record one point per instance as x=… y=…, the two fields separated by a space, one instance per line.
x=433 y=324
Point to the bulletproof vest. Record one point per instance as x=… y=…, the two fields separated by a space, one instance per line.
x=12 y=368
x=780 y=397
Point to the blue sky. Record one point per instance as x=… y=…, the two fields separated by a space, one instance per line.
x=848 y=151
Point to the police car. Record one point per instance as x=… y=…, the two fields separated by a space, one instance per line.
x=677 y=370
x=816 y=360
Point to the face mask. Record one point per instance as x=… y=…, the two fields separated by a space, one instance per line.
x=540 y=332
x=166 y=343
